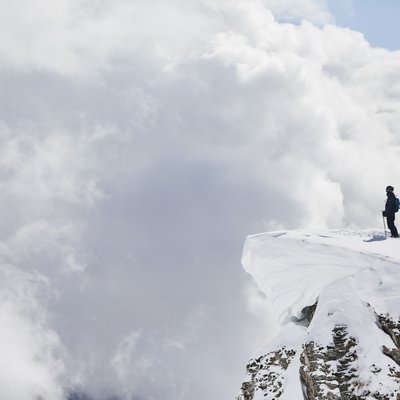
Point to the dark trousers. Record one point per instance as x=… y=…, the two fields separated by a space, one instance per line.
x=390 y=221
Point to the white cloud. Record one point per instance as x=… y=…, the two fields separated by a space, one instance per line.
x=76 y=38
x=141 y=360
x=139 y=145
x=46 y=167
x=56 y=241
x=124 y=354
x=31 y=364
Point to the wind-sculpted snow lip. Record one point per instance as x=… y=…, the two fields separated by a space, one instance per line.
x=335 y=295
x=293 y=267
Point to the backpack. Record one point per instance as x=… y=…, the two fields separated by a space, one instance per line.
x=396 y=205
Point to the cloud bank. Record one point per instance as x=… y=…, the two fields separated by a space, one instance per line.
x=139 y=145
x=31 y=364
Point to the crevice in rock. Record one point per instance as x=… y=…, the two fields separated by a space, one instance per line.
x=303 y=386
x=306 y=316
x=392 y=328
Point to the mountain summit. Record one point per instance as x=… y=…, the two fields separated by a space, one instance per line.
x=336 y=298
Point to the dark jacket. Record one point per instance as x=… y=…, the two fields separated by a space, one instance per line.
x=390 y=206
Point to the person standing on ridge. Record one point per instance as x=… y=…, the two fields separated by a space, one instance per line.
x=390 y=210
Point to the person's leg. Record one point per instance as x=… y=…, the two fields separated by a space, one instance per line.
x=395 y=233
x=390 y=221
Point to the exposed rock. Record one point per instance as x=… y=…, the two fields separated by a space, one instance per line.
x=310 y=311
x=328 y=372
x=392 y=328
x=267 y=374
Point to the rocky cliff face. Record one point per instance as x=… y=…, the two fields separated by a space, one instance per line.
x=331 y=371
x=267 y=373
x=345 y=346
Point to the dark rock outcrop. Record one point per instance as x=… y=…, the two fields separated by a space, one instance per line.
x=392 y=328
x=328 y=372
x=266 y=374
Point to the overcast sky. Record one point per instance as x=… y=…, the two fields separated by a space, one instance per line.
x=140 y=143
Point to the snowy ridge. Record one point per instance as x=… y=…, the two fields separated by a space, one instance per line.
x=335 y=295
x=291 y=268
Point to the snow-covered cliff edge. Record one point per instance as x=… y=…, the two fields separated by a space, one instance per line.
x=336 y=297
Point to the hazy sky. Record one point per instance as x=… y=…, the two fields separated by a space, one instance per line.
x=140 y=143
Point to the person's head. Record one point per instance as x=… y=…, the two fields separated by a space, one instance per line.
x=389 y=189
